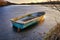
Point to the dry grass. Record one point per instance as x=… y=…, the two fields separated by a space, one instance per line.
x=54 y=34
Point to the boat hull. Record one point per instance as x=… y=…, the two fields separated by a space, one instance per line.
x=18 y=23
x=22 y=26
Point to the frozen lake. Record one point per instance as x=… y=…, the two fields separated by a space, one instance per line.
x=37 y=32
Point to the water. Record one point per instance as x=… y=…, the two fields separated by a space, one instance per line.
x=8 y=12
x=33 y=32
x=54 y=6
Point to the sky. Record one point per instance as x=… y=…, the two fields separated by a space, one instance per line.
x=26 y=1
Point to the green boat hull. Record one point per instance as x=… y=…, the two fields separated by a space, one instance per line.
x=22 y=26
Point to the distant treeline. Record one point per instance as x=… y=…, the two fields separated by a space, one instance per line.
x=6 y=3
x=9 y=3
x=51 y=2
